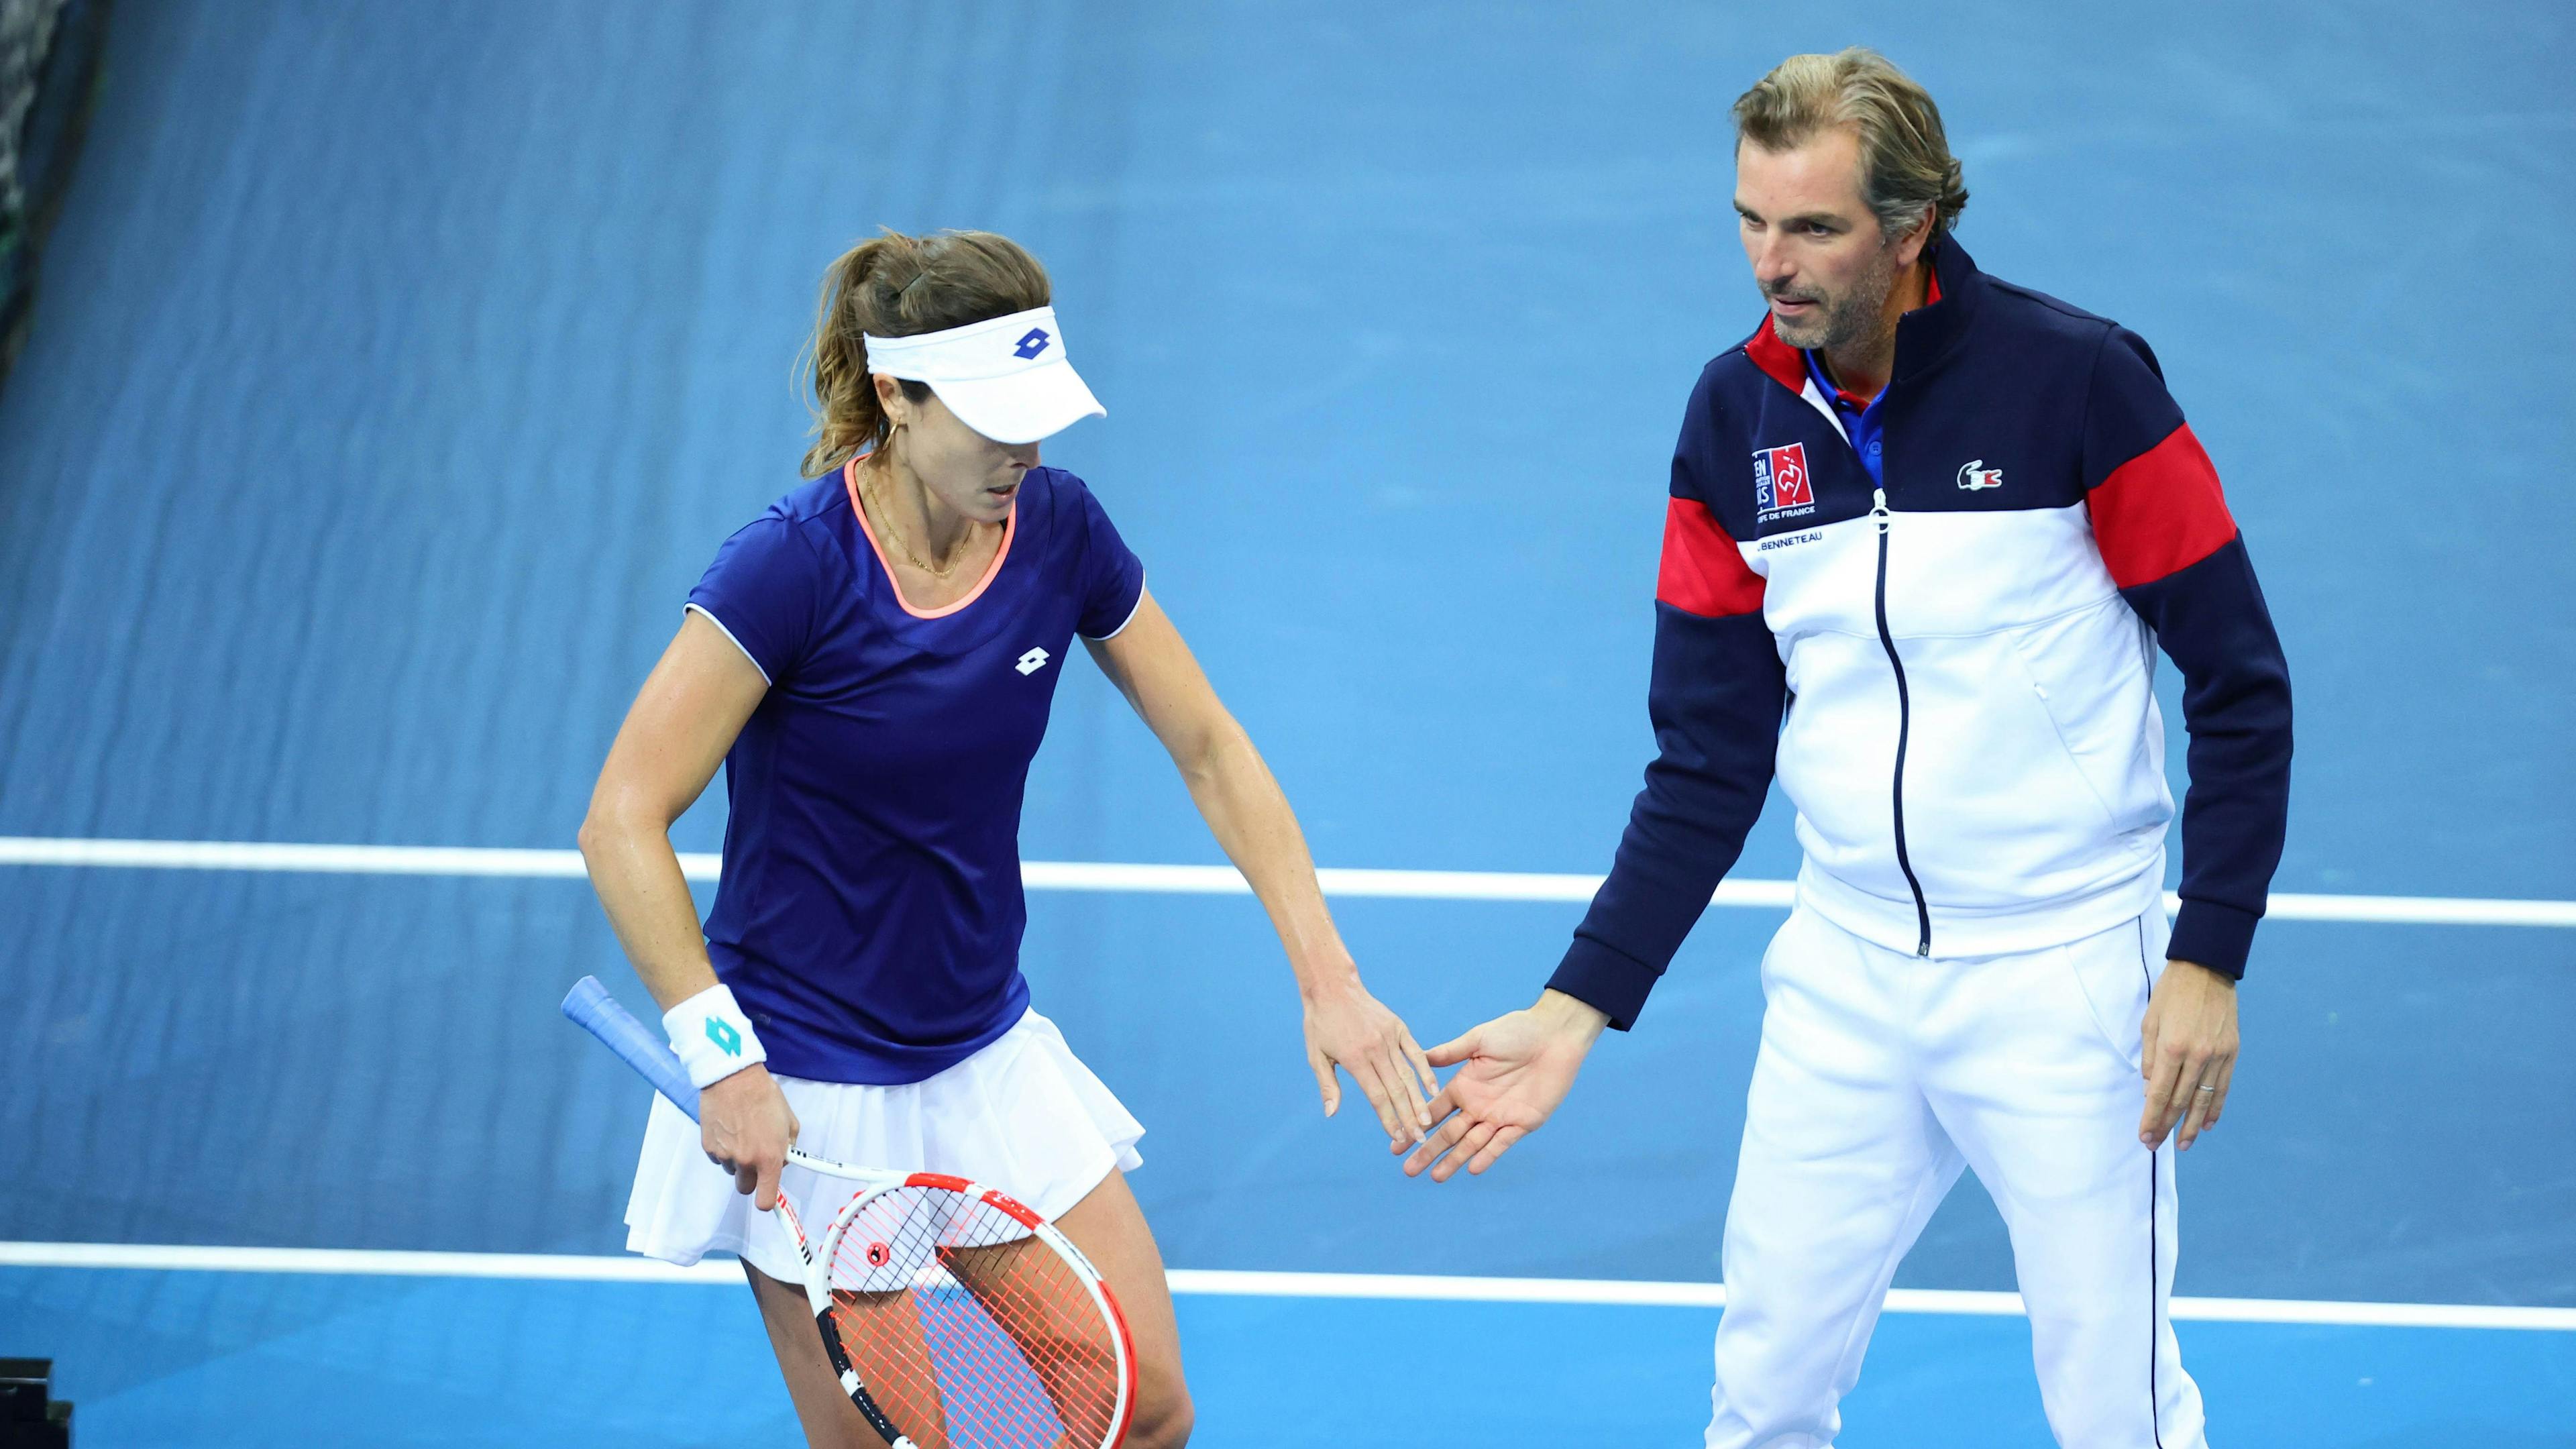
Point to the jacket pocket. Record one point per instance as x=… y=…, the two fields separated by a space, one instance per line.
x=2092 y=673
x=1998 y=815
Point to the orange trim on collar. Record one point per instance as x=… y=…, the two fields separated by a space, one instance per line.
x=1010 y=529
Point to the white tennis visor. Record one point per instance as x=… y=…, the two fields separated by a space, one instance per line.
x=1007 y=378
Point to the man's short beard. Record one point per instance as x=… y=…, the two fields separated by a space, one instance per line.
x=1854 y=317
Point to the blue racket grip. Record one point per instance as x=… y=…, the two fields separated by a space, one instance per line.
x=595 y=1011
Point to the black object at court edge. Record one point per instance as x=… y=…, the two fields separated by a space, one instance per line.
x=49 y=71
x=29 y=1416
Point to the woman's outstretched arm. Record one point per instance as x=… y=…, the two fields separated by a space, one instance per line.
x=1244 y=809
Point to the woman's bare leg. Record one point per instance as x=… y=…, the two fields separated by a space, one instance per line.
x=890 y=1355
x=1110 y=1229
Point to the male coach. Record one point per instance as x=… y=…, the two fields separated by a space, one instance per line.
x=1926 y=531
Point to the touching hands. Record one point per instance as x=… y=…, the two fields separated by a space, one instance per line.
x=1517 y=1068
x=2189 y=1043
x=1348 y=1028
x=746 y=1127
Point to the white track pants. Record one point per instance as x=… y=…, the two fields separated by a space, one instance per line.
x=1881 y=1075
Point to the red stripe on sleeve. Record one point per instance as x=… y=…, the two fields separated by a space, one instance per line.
x=1702 y=572
x=2160 y=512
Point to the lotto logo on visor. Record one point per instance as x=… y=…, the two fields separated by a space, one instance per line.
x=1009 y=378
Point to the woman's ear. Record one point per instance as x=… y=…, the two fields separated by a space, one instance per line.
x=890 y=399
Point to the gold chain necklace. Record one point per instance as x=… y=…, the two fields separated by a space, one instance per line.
x=885 y=521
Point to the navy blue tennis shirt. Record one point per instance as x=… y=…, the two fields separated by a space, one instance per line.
x=870 y=913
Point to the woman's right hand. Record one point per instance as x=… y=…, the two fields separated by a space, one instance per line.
x=746 y=1126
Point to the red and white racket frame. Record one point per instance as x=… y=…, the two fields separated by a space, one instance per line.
x=818 y=1286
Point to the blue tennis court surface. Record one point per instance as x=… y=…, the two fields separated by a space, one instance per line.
x=250 y=1359
x=397 y=368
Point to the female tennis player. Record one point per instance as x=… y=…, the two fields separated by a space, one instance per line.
x=872 y=660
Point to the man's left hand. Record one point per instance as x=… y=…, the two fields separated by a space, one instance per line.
x=2189 y=1052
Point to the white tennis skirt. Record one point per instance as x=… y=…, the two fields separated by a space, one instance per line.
x=1023 y=1114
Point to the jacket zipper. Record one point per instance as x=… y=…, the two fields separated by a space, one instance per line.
x=1879 y=515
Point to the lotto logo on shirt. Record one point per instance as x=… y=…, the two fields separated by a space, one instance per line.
x=1781 y=488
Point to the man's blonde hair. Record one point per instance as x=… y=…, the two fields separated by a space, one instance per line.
x=1905 y=160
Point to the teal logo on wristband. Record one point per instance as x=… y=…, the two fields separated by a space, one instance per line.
x=727 y=1040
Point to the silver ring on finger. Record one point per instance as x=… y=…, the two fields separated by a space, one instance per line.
x=2204 y=1087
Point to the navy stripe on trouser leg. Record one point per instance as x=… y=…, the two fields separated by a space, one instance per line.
x=2032 y=1068
x=1840 y=1167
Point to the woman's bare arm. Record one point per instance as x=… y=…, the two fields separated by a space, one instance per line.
x=1250 y=818
x=676 y=734
x=683 y=721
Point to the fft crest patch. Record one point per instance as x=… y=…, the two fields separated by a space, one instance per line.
x=1781 y=487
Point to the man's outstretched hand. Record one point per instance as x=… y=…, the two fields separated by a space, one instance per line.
x=1517 y=1068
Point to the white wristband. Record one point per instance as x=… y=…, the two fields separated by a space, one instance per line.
x=712 y=1036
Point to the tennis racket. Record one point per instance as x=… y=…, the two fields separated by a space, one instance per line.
x=950 y=1312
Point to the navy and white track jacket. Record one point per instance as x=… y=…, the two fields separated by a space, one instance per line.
x=1951 y=664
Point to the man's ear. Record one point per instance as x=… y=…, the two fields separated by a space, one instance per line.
x=1919 y=238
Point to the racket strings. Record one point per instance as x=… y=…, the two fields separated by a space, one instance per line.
x=967 y=1326
x=1050 y=1323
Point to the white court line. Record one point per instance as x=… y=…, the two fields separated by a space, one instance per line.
x=1074 y=875
x=355 y=1262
